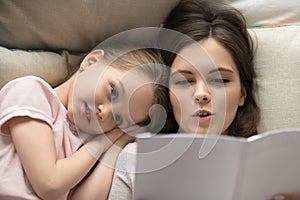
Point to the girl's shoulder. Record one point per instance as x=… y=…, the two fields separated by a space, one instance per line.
x=25 y=82
x=29 y=96
x=28 y=87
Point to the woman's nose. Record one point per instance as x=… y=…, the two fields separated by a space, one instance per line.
x=201 y=94
x=104 y=111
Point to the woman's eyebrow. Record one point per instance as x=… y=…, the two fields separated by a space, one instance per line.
x=220 y=69
x=181 y=72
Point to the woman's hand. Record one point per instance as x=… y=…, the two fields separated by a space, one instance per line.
x=285 y=197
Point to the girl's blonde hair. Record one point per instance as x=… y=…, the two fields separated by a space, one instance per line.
x=148 y=62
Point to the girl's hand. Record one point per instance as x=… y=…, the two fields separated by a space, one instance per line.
x=110 y=157
x=134 y=130
x=285 y=197
x=101 y=143
x=115 y=138
x=49 y=176
x=97 y=184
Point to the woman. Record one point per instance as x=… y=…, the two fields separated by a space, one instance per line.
x=220 y=28
x=221 y=31
x=215 y=95
x=199 y=86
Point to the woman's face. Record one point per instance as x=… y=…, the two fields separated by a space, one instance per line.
x=205 y=89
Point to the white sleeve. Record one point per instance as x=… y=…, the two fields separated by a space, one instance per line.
x=123 y=180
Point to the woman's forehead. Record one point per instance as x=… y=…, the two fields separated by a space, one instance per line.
x=181 y=65
x=207 y=56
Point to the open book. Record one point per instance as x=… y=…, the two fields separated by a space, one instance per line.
x=232 y=168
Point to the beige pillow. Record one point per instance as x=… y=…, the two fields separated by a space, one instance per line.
x=52 y=67
x=269 y=12
x=277 y=62
x=75 y=25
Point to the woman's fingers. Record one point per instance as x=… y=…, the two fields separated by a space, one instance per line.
x=285 y=197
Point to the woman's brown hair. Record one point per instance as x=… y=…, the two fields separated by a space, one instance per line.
x=200 y=19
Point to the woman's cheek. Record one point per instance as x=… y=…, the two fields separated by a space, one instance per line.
x=175 y=107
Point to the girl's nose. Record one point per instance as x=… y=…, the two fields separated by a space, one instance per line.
x=104 y=111
x=201 y=94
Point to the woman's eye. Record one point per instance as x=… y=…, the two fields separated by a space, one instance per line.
x=183 y=82
x=219 y=80
x=118 y=119
x=114 y=92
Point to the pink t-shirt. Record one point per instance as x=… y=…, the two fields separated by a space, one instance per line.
x=33 y=97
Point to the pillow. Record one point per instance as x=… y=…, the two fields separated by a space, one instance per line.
x=50 y=66
x=74 y=25
x=80 y=25
x=277 y=63
x=269 y=12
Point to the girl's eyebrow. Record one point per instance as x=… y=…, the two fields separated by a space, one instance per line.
x=219 y=69
x=120 y=85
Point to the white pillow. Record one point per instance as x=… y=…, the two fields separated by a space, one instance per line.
x=269 y=12
x=277 y=62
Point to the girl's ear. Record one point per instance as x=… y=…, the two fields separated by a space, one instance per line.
x=242 y=97
x=91 y=58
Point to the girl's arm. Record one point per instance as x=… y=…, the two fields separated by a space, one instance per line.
x=50 y=177
x=98 y=183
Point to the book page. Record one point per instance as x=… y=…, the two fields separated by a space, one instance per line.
x=272 y=166
x=174 y=170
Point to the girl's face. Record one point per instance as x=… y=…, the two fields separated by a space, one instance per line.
x=205 y=89
x=105 y=97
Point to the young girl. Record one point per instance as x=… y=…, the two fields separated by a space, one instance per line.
x=43 y=129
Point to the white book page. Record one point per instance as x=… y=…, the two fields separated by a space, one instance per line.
x=272 y=166
x=187 y=176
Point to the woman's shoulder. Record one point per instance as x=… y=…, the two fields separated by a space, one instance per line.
x=127 y=158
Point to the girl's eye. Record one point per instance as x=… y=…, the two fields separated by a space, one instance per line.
x=118 y=119
x=114 y=92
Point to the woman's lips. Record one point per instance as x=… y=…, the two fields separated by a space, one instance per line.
x=203 y=115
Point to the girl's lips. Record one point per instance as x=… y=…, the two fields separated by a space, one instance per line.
x=86 y=112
